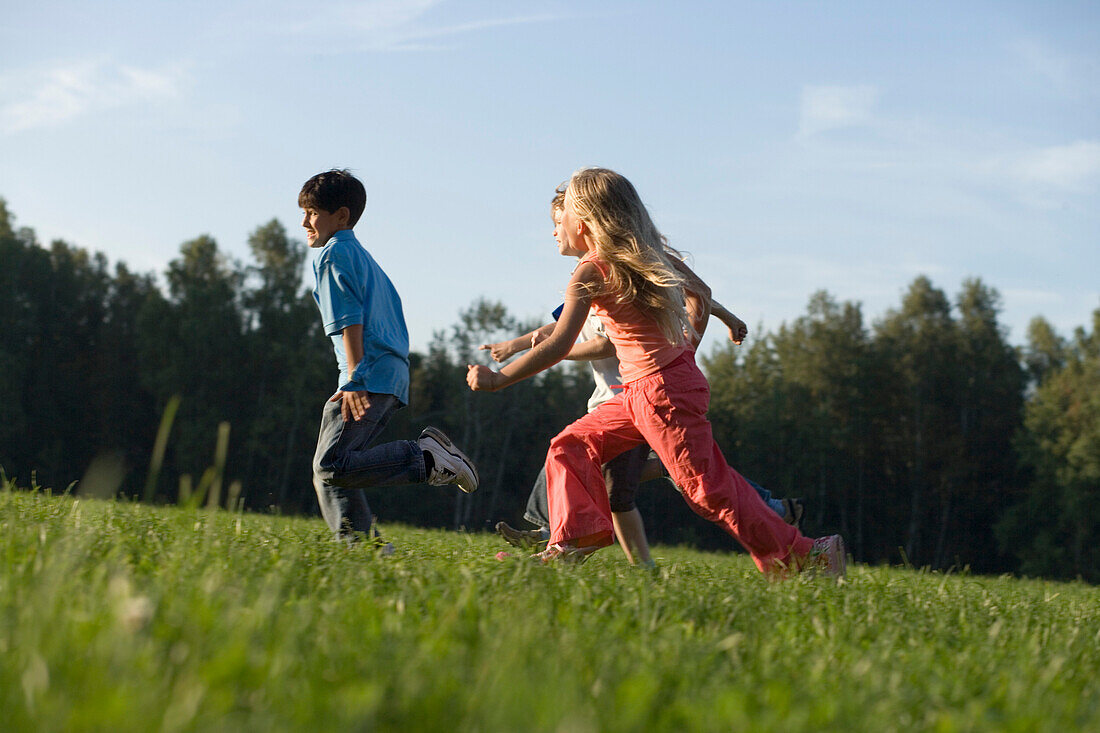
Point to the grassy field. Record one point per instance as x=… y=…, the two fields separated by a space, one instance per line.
x=118 y=616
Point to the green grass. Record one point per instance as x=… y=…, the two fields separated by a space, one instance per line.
x=119 y=616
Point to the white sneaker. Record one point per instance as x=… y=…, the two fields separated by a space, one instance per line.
x=451 y=465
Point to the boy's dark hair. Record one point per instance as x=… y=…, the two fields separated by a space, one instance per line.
x=332 y=189
x=558 y=202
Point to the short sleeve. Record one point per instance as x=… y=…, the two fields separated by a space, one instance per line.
x=337 y=298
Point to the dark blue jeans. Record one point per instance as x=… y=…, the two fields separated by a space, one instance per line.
x=345 y=463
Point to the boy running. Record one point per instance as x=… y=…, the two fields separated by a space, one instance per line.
x=361 y=312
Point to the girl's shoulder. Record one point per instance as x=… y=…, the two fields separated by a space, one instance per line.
x=595 y=262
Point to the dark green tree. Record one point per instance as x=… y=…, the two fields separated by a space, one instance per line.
x=991 y=391
x=824 y=358
x=1045 y=352
x=194 y=345
x=921 y=453
x=1054 y=529
x=291 y=372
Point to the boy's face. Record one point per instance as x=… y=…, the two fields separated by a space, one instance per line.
x=563 y=247
x=320 y=225
x=567 y=230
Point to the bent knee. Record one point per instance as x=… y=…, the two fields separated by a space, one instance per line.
x=567 y=442
x=326 y=471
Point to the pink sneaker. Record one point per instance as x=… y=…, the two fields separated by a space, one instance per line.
x=827 y=557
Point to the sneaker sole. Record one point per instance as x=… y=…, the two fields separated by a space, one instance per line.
x=448 y=446
x=571 y=556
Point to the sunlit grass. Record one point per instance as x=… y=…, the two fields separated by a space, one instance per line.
x=120 y=616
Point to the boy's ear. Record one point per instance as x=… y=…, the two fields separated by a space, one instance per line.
x=343 y=215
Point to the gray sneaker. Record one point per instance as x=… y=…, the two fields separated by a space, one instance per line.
x=385 y=549
x=526 y=539
x=451 y=465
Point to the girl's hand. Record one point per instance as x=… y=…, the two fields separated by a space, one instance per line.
x=738 y=330
x=482 y=378
x=537 y=338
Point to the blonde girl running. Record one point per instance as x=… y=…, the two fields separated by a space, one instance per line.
x=626 y=278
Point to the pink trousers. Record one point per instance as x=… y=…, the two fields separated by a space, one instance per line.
x=668 y=410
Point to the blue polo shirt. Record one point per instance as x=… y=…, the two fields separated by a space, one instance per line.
x=351 y=288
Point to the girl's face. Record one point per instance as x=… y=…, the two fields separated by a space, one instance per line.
x=569 y=231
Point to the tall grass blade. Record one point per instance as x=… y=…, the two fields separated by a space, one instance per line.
x=220 y=452
x=160 y=446
x=186 y=489
x=233 y=502
x=202 y=490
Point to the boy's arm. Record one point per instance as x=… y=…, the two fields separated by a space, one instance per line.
x=354 y=404
x=505 y=349
x=599 y=347
x=339 y=313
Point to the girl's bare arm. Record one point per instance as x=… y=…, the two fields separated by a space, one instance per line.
x=737 y=328
x=696 y=299
x=554 y=348
x=694 y=285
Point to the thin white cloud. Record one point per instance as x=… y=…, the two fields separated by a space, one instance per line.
x=52 y=97
x=834 y=107
x=1063 y=73
x=380 y=18
x=408 y=40
x=1044 y=178
x=1043 y=62
x=917 y=154
x=383 y=14
x=382 y=25
x=1072 y=167
x=1033 y=298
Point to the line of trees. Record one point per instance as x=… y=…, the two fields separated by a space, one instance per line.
x=924 y=437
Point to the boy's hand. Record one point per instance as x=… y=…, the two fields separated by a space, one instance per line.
x=499 y=352
x=482 y=378
x=353 y=405
x=537 y=338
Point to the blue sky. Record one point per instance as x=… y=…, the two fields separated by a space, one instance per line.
x=787 y=146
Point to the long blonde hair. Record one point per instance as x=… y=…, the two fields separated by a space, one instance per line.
x=637 y=255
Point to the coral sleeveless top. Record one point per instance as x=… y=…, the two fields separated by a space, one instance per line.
x=641 y=347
